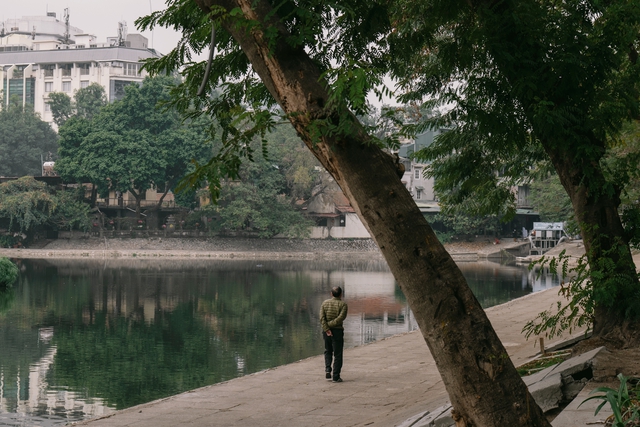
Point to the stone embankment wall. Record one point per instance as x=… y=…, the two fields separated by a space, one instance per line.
x=84 y=246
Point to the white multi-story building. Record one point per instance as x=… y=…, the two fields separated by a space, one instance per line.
x=420 y=187
x=42 y=54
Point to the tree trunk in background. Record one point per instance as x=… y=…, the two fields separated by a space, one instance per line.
x=94 y=195
x=138 y=197
x=576 y=154
x=481 y=380
x=603 y=237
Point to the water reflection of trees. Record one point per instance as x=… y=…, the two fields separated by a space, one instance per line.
x=132 y=335
x=7 y=295
x=495 y=284
x=130 y=331
x=355 y=263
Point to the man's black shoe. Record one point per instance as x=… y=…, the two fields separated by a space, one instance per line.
x=337 y=380
x=328 y=375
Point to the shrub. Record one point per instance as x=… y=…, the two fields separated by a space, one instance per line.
x=8 y=273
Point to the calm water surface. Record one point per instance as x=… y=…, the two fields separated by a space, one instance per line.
x=80 y=339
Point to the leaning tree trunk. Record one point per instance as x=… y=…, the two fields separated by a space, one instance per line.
x=480 y=378
x=607 y=250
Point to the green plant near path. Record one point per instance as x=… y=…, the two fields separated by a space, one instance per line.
x=8 y=273
x=624 y=403
x=541 y=363
x=588 y=282
x=577 y=311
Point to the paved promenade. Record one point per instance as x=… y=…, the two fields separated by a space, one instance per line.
x=385 y=383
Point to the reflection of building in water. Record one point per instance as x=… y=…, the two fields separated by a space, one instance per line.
x=373 y=318
x=377 y=309
x=541 y=280
x=30 y=393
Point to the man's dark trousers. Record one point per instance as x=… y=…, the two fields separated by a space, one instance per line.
x=333 y=346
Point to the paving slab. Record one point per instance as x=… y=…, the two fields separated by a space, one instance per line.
x=560 y=383
x=385 y=384
x=577 y=415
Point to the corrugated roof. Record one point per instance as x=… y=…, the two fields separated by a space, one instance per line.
x=76 y=55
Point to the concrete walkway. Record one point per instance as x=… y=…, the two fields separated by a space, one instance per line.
x=385 y=383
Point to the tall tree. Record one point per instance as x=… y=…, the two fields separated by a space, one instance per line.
x=86 y=103
x=296 y=162
x=24 y=141
x=258 y=202
x=131 y=145
x=289 y=49
x=89 y=100
x=61 y=107
x=535 y=81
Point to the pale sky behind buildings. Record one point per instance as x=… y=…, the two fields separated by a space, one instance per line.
x=98 y=17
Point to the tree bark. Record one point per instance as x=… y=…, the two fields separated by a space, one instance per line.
x=166 y=191
x=604 y=239
x=94 y=195
x=576 y=153
x=480 y=378
x=138 y=197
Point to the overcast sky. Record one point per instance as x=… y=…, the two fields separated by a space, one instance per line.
x=99 y=17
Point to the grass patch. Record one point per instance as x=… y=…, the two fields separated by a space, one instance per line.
x=543 y=362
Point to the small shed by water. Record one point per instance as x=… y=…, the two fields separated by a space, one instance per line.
x=545 y=235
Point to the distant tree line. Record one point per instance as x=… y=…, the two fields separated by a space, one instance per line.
x=136 y=144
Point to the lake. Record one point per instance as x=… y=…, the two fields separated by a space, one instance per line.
x=83 y=338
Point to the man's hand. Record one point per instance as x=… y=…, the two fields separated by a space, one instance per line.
x=329 y=333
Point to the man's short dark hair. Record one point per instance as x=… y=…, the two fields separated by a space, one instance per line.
x=336 y=291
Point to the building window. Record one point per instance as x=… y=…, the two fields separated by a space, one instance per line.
x=20 y=88
x=48 y=86
x=417 y=173
x=523 y=195
x=47 y=107
x=418 y=194
x=84 y=83
x=84 y=68
x=66 y=86
x=131 y=69
x=321 y=222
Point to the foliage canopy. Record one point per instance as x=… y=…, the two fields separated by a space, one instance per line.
x=8 y=273
x=133 y=144
x=25 y=139
x=28 y=204
x=86 y=103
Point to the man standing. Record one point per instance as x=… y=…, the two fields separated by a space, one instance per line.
x=332 y=314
